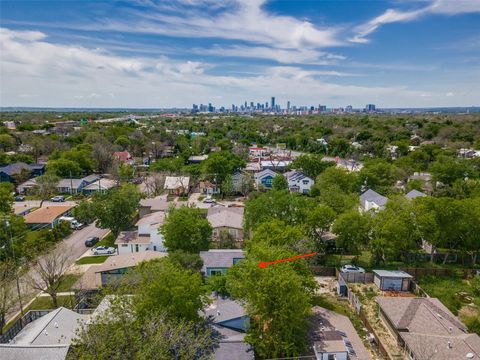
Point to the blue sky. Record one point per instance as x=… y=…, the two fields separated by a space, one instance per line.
x=399 y=53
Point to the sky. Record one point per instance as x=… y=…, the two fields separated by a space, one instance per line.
x=174 y=53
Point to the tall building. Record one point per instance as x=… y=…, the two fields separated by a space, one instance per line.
x=273 y=102
x=370 y=107
x=288 y=105
x=322 y=108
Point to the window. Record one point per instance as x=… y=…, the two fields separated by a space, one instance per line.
x=305 y=182
x=331 y=357
x=124 y=245
x=136 y=247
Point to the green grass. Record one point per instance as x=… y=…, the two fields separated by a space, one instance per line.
x=92 y=260
x=43 y=303
x=107 y=241
x=67 y=282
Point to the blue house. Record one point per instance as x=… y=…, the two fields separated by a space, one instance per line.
x=7 y=173
x=264 y=178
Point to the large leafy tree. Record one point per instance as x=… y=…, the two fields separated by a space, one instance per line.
x=279 y=182
x=288 y=207
x=186 y=229
x=119 y=333
x=116 y=209
x=319 y=221
x=162 y=286
x=352 y=230
x=220 y=164
x=277 y=299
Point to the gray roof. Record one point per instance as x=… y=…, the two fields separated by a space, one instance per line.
x=25 y=352
x=224 y=309
x=420 y=315
x=414 y=194
x=373 y=196
x=238 y=350
x=220 y=258
x=222 y=216
x=16 y=168
x=392 y=273
x=70 y=183
x=57 y=327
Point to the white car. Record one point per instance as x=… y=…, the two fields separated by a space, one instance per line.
x=103 y=250
x=209 y=200
x=352 y=269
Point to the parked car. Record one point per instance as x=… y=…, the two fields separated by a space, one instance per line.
x=92 y=240
x=352 y=269
x=103 y=250
x=209 y=200
x=58 y=198
x=75 y=225
x=19 y=198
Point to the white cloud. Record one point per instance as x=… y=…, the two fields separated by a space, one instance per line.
x=76 y=76
x=284 y=56
x=445 y=7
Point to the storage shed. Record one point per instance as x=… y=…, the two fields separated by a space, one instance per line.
x=395 y=280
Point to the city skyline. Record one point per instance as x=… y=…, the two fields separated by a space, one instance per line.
x=156 y=54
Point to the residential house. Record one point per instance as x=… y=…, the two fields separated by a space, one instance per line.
x=241 y=181
x=100 y=185
x=228 y=219
x=177 y=185
x=349 y=165
x=112 y=270
x=257 y=152
x=208 y=188
x=274 y=164
x=395 y=280
x=412 y=194
x=333 y=337
x=47 y=337
x=10 y=125
x=47 y=216
x=253 y=167
x=75 y=186
x=263 y=179
x=230 y=320
x=146 y=237
x=371 y=200
x=124 y=157
x=197 y=159
x=27 y=186
x=158 y=203
x=218 y=261
x=426 y=329
x=299 y=182
x=10 y=172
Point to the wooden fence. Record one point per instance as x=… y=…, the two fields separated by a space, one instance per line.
x=362 y=278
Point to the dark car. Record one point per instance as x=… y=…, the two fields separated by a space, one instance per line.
x=19 y=198
x=92 y=240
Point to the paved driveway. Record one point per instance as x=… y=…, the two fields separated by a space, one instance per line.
x=75 y=245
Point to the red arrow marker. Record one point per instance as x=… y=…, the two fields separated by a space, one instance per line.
x=264 y=264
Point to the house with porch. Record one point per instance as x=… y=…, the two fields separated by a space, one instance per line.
x=177 y=185
x=264 y=178
x=226 y=219
x=47 y=216
x=299 y=182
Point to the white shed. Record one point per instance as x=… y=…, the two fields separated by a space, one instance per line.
x=395 y=280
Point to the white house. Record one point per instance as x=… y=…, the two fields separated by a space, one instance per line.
x=146 y=237
x=371 y=200
x=299 y=182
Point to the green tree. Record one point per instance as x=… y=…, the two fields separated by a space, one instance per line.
x=227 y=186
x=446 y=170
x=64 y=168
x=119 y=334
x=126 y=172
x=352 y=230
x=220 y=164
x=84 y=211
x=7 y=142
x=6 y=197
x=279 y=182
x=123 y=141
x=185 y=229
x=319 y=221
x=116 y=209
x=379 y=175
x=189 y=261
x=46 y=186
x=278 y=301
x=167 y=164
x=311 y=165
x=160 y=286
